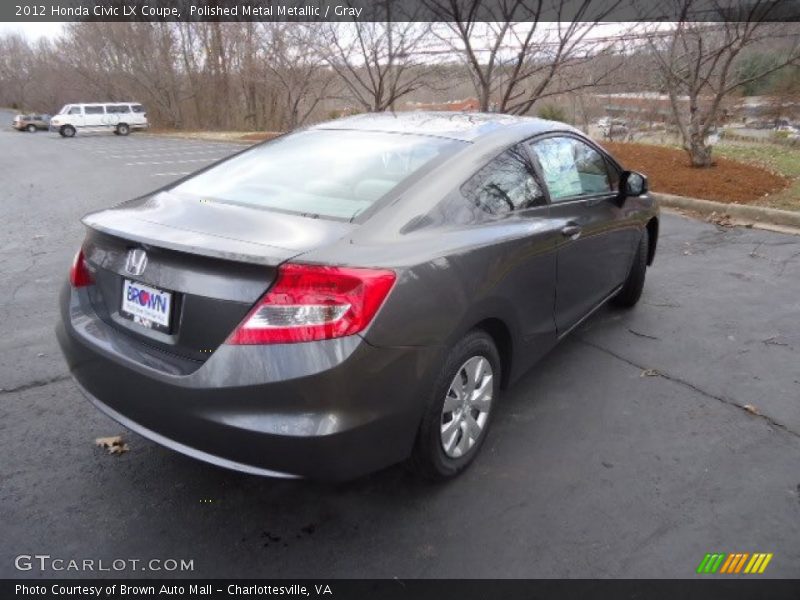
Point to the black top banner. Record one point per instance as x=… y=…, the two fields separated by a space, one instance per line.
x=401 y=10
x=738 y=588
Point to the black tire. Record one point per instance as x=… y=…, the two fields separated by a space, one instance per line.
x=31 y=128
x=67 y=131
x=122 y=129
x=631 y=290
x=428 y=458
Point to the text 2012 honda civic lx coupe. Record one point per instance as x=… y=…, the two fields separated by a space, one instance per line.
x=354 y=294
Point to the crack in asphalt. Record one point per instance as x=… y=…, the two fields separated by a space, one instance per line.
x=683 y=382
x=35 y=384
x=783 y=263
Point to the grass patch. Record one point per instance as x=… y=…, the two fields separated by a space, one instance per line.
x=784 y=160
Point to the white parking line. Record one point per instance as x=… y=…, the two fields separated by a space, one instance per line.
x=160 y=148
x=174 y=153
x=170 y=174
x=145 y=149
x=168 y=162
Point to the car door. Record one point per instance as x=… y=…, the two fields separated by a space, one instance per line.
x=596 y=244
x=112 y=115
x=76 y=118
x=139 y=116
x=521 y=262
x=124 y=114
x=95 y=115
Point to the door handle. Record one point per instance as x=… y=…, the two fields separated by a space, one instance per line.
x=573 y=232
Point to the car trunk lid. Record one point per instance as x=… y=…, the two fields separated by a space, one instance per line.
x=214 y=260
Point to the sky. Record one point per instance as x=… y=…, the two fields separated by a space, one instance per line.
x=32 y=31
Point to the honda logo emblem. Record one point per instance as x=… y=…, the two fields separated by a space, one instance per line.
x=136 y=262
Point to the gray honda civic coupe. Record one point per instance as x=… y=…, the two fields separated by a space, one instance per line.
x=352 y=295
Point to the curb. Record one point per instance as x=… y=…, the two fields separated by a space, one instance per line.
x=756 y=214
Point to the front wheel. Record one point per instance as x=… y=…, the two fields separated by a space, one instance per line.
x=459 y=411
x=31 y=128
x=67 y=131
x=631 y=290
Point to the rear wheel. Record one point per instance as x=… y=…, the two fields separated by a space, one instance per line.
x=31 y=128
x=67 y=131
x=459 y=412
x=122 y=129
x=632 y=288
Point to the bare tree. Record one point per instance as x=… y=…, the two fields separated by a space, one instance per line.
x=16 y=70
x=377 y=61
x=519 y=51
x=296 y=70
x=126 y=61
x=697 y=63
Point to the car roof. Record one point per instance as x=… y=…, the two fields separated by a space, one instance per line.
x=464 y=126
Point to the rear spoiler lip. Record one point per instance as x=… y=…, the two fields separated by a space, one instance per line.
x=186 y=240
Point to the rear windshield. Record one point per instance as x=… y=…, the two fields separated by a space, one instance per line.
x=322 y=173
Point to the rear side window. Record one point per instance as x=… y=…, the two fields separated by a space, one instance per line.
x=506 y=184
x=117 y=108
x=137 y=108
x=93 y=110
x=328 y=173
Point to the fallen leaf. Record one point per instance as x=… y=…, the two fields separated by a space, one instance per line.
x=722 y=220
x=751 y=409
x=114 y=444
x=650 y=373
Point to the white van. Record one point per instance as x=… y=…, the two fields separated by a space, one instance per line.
x=119 y=117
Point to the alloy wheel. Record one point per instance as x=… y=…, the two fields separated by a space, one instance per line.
x=466 y=406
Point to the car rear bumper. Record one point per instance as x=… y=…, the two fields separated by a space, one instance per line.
x=329 y=410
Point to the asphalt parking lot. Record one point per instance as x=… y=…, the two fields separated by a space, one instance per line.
x=626 y=453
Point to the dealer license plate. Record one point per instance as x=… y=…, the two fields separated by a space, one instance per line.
x=146 y=305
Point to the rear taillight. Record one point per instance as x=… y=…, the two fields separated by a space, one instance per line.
x=79 y=274
x=308 y=303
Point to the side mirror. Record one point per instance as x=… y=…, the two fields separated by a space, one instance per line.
x=633 y=183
